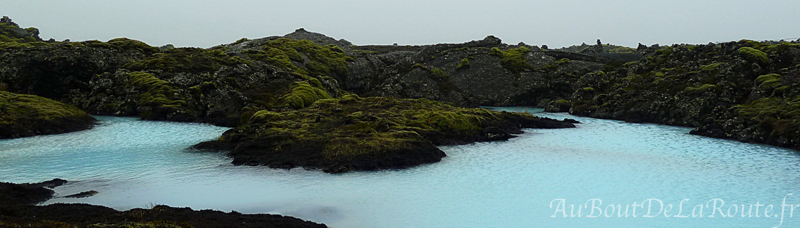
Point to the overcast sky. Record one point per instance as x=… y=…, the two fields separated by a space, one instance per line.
x=554 y=23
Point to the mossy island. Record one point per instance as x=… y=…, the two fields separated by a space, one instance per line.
x=354 y=133
x=23 y=115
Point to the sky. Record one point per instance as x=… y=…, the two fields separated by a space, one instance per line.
x=201 y=23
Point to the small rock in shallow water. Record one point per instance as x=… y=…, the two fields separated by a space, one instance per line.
x=85 y=194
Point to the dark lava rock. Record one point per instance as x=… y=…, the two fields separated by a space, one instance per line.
x=85 y=194
x=17 y=210
x=28 y=193
x=482 y=72
x=744 y=90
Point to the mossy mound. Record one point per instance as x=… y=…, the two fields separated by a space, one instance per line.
x=302 y=57
x=158 y=100
x=11 y=32
x=303 y=94
x=513 y=59
x=23 y=115
x=353 y=133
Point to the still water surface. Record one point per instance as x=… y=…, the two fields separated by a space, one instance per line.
x=519 y=183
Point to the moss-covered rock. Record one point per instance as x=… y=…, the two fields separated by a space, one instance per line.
x=303 y=95
x=743 y=90
x=158 y=100
x=61 y=69
x=753 y=54
x=513 y=59
x=353 y=133
x=192 y=60
x=23 y=115
x=10 y=32
x=464 y=63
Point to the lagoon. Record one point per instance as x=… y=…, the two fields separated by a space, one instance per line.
x=518 y=183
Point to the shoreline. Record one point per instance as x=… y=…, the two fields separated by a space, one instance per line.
x=19 y=208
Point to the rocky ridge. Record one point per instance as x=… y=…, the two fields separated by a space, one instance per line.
x=743 y=90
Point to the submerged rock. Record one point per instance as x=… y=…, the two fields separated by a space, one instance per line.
x=12 y=194
x=23 y=115
x=85 y=194
x=354 y=133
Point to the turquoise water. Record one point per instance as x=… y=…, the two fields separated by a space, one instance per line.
x=136 y=163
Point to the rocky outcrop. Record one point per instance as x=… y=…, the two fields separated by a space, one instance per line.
x=11 y=32
x=23 y=115
x=483 y=72
x=353 y=133
x=220 y=85
x=226 y=84
x=742 y=90
x=17 y=210
x=60 y=70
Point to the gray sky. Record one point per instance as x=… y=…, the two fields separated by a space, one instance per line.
x=554 y=23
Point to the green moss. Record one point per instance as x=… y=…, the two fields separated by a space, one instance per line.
x=702 y=88
x=588 y=89
x=193 y=60
x=618 y=49
x=753 y=43
x=129 y=44
x=18 y=45
x=242 y=40
x=438 y=73
x=464 y=63
x=753 y=55
x=351 y=126
x=350 y=98
x=781 y=48
x=263 y=116
x=15 y=107
x=23 y=115
x=665 y=51
x=96 y=44
x=780 y=117
x=513 y=59
x=711 y=67
x=323 y=60
x=11 y=32
x=562 y=101
x=155 y=93
x=769 y=81
x=303 y=95
x=554 y=66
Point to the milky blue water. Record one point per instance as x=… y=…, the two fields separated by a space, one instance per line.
x=518 y=183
